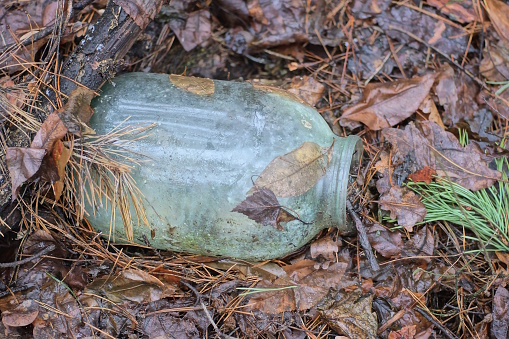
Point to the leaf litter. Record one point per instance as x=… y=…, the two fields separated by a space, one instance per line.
x=352 y=58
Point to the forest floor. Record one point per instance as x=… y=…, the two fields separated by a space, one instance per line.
x=424 y=84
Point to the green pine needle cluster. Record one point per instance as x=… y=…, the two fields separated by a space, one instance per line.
x=484 y=212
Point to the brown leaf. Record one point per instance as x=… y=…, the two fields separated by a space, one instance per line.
x=52 y=129
x=405 y=206
x=307 y=88
x=22 y=315
x=60 y=156
x=141 y=11
x=421 y=245
x=425 y=174
x=262 y=206
x=495 y=62
x=387 y=104
x=407 y=332
x=498 y=11
x=200 y=86
x=350 y=313
x=429 y=145
x=76 y=113
x=194 y=31
x=462 y=12
x=326 y=247
x=500 y=324
x=311 y=285
x=132 y=285
x=456 y=93
x=388 y=244
x=295 y=172
x=22 y=163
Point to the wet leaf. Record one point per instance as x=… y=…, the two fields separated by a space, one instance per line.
x=22 y=163
x=404 y=205
x=326 y=247
x=76 y=112
x=295 y=172
x=429 y=145
x=495 y=62
x=456 y=93
x=350 y=313
x=200 y=86
x=497 y=11
x=421 y=245
x=132 y=285
x=60 y=156
x=387 y=104
x=311 y=286
x=262 y=206
x=462 y=12
x=52 y=129
x=446 y=38
x=193 y=31
x=500 y=324
x=364 y=9
x=425 y=174
x=307 y=88
x=22 y=315
x=388 y=244
x=407 y=332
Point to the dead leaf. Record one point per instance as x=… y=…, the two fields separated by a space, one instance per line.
x=428 y=107
x=462 y=12
x=456 y=93
x=387 y=243
x=193 y=31
x=497 y=11
x=262 y=206
x=425 y=174
x=405 y=206
x=326 y=247
x=495 y=62
x=407 y=332
x=429 y=145
x=132 y=285
x=76 y=112
x=307 y=88
x=500 y=324
x=387 y=104
x=52 y=129
x=296 y=172
x=350 y=313
x=22 y=315
x=421 y=245
x=22 y=163
x=364 y=9
x=142 y=12
x=200 y=86
x=311 y=286
x=60 y=156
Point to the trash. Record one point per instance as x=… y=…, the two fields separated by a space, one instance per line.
x=234 y=170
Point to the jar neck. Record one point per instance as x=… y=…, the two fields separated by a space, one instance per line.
x=346 y=156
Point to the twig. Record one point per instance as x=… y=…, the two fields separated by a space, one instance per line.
x=363 y=237
x=32 y=258
x=209 y=317
x=152 y=248
x=431 y=319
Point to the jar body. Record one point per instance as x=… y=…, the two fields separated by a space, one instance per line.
x=205 y=152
